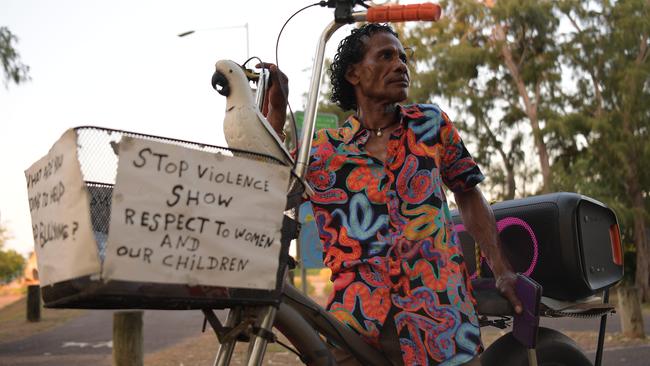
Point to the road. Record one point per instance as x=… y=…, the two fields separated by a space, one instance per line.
x=617 y=356
x=626 y=356
x=87 y=340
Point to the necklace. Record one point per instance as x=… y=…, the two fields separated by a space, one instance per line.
x=379 y=131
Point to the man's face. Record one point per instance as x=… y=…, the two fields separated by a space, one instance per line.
x=381 y=75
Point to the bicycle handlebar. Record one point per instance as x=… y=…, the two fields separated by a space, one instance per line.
x=404 y=13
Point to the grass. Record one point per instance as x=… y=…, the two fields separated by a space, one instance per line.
x=7 y=290
x=14 y=325
x=202 y=350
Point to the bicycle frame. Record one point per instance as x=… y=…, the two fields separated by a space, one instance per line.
x=299 y=318
x=312 y=97
x=258 y=345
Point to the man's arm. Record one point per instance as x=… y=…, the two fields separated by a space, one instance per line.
x=480 y=223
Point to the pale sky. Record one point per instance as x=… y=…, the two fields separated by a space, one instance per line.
x=120 y=64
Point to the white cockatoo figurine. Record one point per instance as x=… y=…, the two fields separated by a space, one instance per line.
x=244 y=126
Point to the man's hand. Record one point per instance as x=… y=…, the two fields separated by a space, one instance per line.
x=275 y=100
x=505 y=283
x=479 y=222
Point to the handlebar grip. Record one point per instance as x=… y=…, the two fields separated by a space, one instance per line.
x=404 y=13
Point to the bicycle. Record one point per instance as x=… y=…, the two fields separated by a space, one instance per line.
x=310 y=328
x=305 y=323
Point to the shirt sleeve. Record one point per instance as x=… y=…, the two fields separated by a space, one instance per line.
x=459 y=170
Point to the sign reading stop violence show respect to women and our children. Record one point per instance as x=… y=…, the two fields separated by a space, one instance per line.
x=58 y=203
x=191 y=217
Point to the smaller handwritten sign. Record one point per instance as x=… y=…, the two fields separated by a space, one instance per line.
x=59 y=206
x=191 y=217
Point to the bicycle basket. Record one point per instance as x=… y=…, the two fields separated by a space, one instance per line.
x=170 y=204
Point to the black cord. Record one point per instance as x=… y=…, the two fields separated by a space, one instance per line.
x=277 y=40
x=289 y=348
x=252 y=58
x=277 y=63
x=363 y=3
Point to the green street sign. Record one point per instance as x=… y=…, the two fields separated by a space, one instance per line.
x=323 y=120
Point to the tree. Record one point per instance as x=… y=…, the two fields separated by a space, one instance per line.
x=11 y=263
x=324 y=99
x=498 y=67
x=605 y=142
x=524 y=36
x=501 y=66
x=14 y=70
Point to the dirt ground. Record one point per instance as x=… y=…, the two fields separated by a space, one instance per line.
x=7 y=300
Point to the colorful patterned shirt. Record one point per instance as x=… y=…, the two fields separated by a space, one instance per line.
x=388 y=236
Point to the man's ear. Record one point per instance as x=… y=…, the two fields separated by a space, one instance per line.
x=352 y=74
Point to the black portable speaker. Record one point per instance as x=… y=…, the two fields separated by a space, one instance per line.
x=567 y=242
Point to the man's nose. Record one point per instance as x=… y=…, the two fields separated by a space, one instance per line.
x=401 y=66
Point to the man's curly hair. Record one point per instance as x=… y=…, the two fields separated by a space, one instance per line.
x=351 y=51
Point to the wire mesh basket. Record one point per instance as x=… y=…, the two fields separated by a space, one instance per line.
x=98 y=153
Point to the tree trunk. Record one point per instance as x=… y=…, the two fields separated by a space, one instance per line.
x=510 y=183
x=630 y=308
x=127 y=338
x=642 y=275
x=530 y=107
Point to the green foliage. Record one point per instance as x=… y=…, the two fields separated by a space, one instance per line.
x=603 y=145
x=461 y=60
x=11 y=263
x=14 y=70
x=4 y=236
x=581 y=89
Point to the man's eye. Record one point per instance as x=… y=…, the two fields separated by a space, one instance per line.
x=408 y=54
x=387 y=55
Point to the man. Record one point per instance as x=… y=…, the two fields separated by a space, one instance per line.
x=400 y=280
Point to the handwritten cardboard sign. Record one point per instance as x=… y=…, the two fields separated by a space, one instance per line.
x=59 y=206
x=191 y=217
